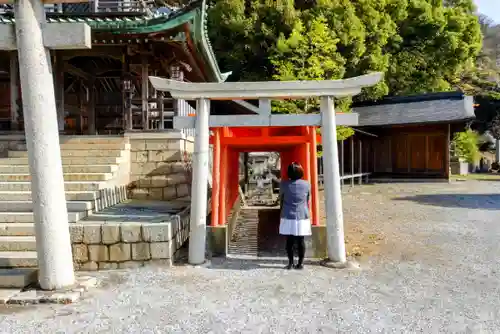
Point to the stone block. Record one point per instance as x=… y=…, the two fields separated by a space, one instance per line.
x=98 y=253
x=217 y=238
x=159 y=156
x=107 y=265
x=76 y=233
x=141 y=156
x=144 y=182
x=159 y=181
x=110 y=234
x=156 y=232
x=139 y=193
x=163 y=168
x=80 y=253
x=160 y=250
x=182 y=190
x=119 y=252
x=7 y=294
x=157 y=144
x=169 y=193
x=176 y=145
x=137 y=145
x=130 y=264
x=162 y=262
x=189 y=146
x=89 y=266
x=177 y=167
x=92 y=233
x=318 y=242
x=143 y=168
x=177 y=178
x=156 y=194
x=14 y=278
x=131 y=232
x=140 y=251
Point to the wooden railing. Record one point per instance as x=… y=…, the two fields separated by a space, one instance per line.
x=91 y=7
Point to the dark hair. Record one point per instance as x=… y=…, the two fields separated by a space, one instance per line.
x=295 y=171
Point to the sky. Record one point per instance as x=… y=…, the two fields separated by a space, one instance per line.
x=490 y=8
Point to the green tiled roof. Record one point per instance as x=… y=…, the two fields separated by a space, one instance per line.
x=194 y=16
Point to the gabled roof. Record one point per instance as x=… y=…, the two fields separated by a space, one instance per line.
x=417 y=109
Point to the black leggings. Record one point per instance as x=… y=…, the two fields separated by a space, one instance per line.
x=301 y=247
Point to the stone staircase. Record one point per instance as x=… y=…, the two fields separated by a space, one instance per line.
x=95 y=173
x=256 y=233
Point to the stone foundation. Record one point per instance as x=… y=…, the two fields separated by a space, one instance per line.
x=159 y=165
x=119 y=245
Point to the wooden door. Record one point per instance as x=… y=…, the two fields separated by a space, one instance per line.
x=400 y=145
x=417 y=147
x=436 y=153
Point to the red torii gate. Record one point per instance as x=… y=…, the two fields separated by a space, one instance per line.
x=296 y=143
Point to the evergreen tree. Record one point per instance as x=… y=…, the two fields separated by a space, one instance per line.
x=420 y=45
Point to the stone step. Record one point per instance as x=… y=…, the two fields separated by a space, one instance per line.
x=27 y=206
x=17 y=243
x=17 y=277
x=81 y=146
x=68 y=186
x=27 y=217
x=70 y=196
x=67 y=177
x=18 y=259
x=75 y=153
x=19 y=229
x=23 y=161
x=92 y=139
x=24 y=169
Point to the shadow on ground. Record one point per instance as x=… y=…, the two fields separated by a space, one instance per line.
x=252 y=264
x=470 y=201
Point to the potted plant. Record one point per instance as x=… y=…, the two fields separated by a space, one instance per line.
x=466 y=149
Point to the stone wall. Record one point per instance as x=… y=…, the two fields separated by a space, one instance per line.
x=159 y=165
x=128 y=245
x=10 y=142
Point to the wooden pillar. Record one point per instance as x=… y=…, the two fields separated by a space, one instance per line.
x=216 y=177
x=447 y=152
x=161 y=106
x=91 y=120
x=125 y=95
x=360 y=162
x=235 y=179
x=307 y=169
x=342 y=162
x=14 y=91
x=81 y=106
x=314 y=177
x=145 y=91
x=223 y=183
x=59 y=88
x=247 y=177
x=352 y=160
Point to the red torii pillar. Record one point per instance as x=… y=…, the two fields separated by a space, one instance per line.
x=299 y=146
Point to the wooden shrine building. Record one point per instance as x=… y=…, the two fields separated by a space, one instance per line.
x=410 y=136
x=105 y=89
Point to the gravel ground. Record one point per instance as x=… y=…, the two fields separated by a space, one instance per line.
x=434 y=270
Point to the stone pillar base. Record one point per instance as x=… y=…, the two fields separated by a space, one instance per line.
x=218 y=240
x=316 y=245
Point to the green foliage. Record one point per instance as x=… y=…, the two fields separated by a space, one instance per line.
x=420 y=45
x=466 y=145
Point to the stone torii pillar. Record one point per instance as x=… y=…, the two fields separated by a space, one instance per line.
x=34 y=38
x=326 y=90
